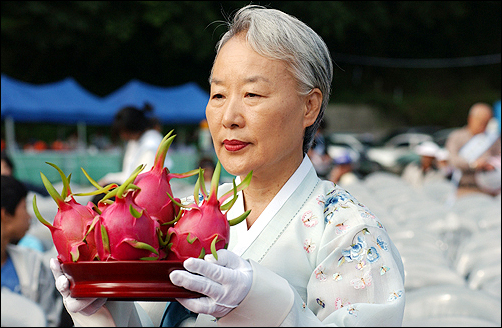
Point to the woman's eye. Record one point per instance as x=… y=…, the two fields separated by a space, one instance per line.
x=217 y=96
x=252 y=95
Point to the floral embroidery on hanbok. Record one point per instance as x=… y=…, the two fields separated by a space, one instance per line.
x=395 y=295
x=361 y=283
x=337 y=276
x=355 y=252
x=309 y=245
x=308 y=219
x=319 y=273
x=372 y=254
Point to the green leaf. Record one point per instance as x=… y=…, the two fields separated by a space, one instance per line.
x=38 y=215
x=239 y=219
x=191 y=241
x=213 y=247
x=134 y=212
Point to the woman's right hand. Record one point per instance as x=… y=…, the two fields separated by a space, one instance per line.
x=85 y=306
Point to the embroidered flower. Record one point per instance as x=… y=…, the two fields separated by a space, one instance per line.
x=356 y=251
x=308 y=219
x=337 y=276
x=309 y=245
x=372 y=254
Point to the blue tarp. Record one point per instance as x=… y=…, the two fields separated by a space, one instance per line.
x=66 y=102
x=184 y=104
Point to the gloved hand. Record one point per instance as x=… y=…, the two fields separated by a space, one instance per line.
x=225 y=281
x=85 y=306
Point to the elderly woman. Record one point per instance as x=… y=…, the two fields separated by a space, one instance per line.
x=309 y=253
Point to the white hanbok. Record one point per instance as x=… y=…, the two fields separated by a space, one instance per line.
x=319 y=258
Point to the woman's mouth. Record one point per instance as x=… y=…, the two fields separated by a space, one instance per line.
x=234 y=145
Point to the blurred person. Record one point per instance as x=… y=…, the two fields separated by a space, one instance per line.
x=472 y=150
x=7 y=168
x=24 y=270
x=318 y=153
x=343 y=171
x=136 y=128
x=205 y=142
x=309 y=253
x=443 y=163
x=208 y=165
x=426 y=169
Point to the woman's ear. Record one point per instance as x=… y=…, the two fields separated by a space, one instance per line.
x=313 y=102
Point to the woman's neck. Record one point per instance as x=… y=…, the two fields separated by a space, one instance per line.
x=262 y=190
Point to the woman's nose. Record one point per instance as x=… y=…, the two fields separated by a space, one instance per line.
x=233 y=115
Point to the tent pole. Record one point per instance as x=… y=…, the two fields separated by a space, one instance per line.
x=10 y=135
x=82 y=138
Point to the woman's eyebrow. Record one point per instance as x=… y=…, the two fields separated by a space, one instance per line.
x=251 y=79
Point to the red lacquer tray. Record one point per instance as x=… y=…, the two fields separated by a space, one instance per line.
x=125 y=280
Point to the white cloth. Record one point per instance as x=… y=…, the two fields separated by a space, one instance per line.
x=319 y=258
x=137 y=152
x=14 y=310
x=477 y=145
x=37 y=282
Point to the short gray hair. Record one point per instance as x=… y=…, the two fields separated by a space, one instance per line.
x=277 y=35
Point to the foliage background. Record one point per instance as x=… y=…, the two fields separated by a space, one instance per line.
x=378 y=47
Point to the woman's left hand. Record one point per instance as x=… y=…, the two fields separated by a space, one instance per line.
x=225 y=281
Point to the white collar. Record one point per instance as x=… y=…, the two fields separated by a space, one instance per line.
x=244 y=237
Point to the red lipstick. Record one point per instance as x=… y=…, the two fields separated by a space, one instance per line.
x=234 y=145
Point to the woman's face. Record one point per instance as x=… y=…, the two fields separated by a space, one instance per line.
x=255 y=114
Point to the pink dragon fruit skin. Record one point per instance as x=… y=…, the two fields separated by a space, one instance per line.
x=70 y=232
x=155 y=187
x=203 y=228
x=124 y=230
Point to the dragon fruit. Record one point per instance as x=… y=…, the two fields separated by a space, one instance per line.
x=71 y=231
x=155 y=188
x=203 y=227
x=124 y=230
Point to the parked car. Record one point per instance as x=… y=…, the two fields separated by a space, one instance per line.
x=441 y=136
x=356 y=145
x=398 y=151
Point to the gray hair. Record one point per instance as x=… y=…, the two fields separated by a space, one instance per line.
x=277 y=35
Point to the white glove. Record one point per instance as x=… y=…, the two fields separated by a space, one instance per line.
x=225 y=281
x=85 y=306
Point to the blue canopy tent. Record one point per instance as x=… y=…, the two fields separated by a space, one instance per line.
x=184 y=104
x=67 y=102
